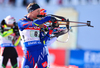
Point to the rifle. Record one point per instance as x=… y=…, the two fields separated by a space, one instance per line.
x=63 y=21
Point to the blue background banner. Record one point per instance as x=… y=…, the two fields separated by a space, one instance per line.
x=85 y=58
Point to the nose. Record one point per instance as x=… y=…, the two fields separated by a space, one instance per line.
x=38 y=13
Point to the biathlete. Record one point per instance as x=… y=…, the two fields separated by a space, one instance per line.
x=8 y=42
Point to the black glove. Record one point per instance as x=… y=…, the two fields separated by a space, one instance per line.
x=15 y=29
x=3 y=22
x=53 y=19
x=54 y=24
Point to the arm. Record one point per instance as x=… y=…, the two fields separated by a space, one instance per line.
x=16 y=41
x=42 y=20
x=44 y=37
x=22 y=24
x=51 y=41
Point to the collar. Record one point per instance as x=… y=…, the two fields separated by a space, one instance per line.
x=28 y=18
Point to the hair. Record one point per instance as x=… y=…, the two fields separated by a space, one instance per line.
x=30 y=5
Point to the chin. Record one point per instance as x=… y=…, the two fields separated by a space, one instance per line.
x=35 y=17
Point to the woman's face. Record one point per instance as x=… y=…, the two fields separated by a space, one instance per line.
x=35 y=13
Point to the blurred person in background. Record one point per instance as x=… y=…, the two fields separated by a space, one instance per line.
x=8 y=42
x=26 y=2
x=1 y=1
x=98 y=1
x=69 y=1
x=89 y=1
x=34 y=1
x=60 y=2
x=47 y=1
x=12 y=2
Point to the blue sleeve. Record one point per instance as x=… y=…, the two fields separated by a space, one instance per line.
x=42 y=20
x=43 y=37
x=51 y=41
x=22 y=24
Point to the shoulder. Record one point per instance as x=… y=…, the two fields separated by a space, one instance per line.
x=23 y=19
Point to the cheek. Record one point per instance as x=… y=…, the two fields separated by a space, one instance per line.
x=33 y=15
x=36 y=14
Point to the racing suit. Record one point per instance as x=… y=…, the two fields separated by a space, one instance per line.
x=8 y=49
x=34 y=40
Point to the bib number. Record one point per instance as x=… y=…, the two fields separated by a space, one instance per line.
x=34 y=33
x=9 y=37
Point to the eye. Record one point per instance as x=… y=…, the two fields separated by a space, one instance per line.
x=38 y=11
